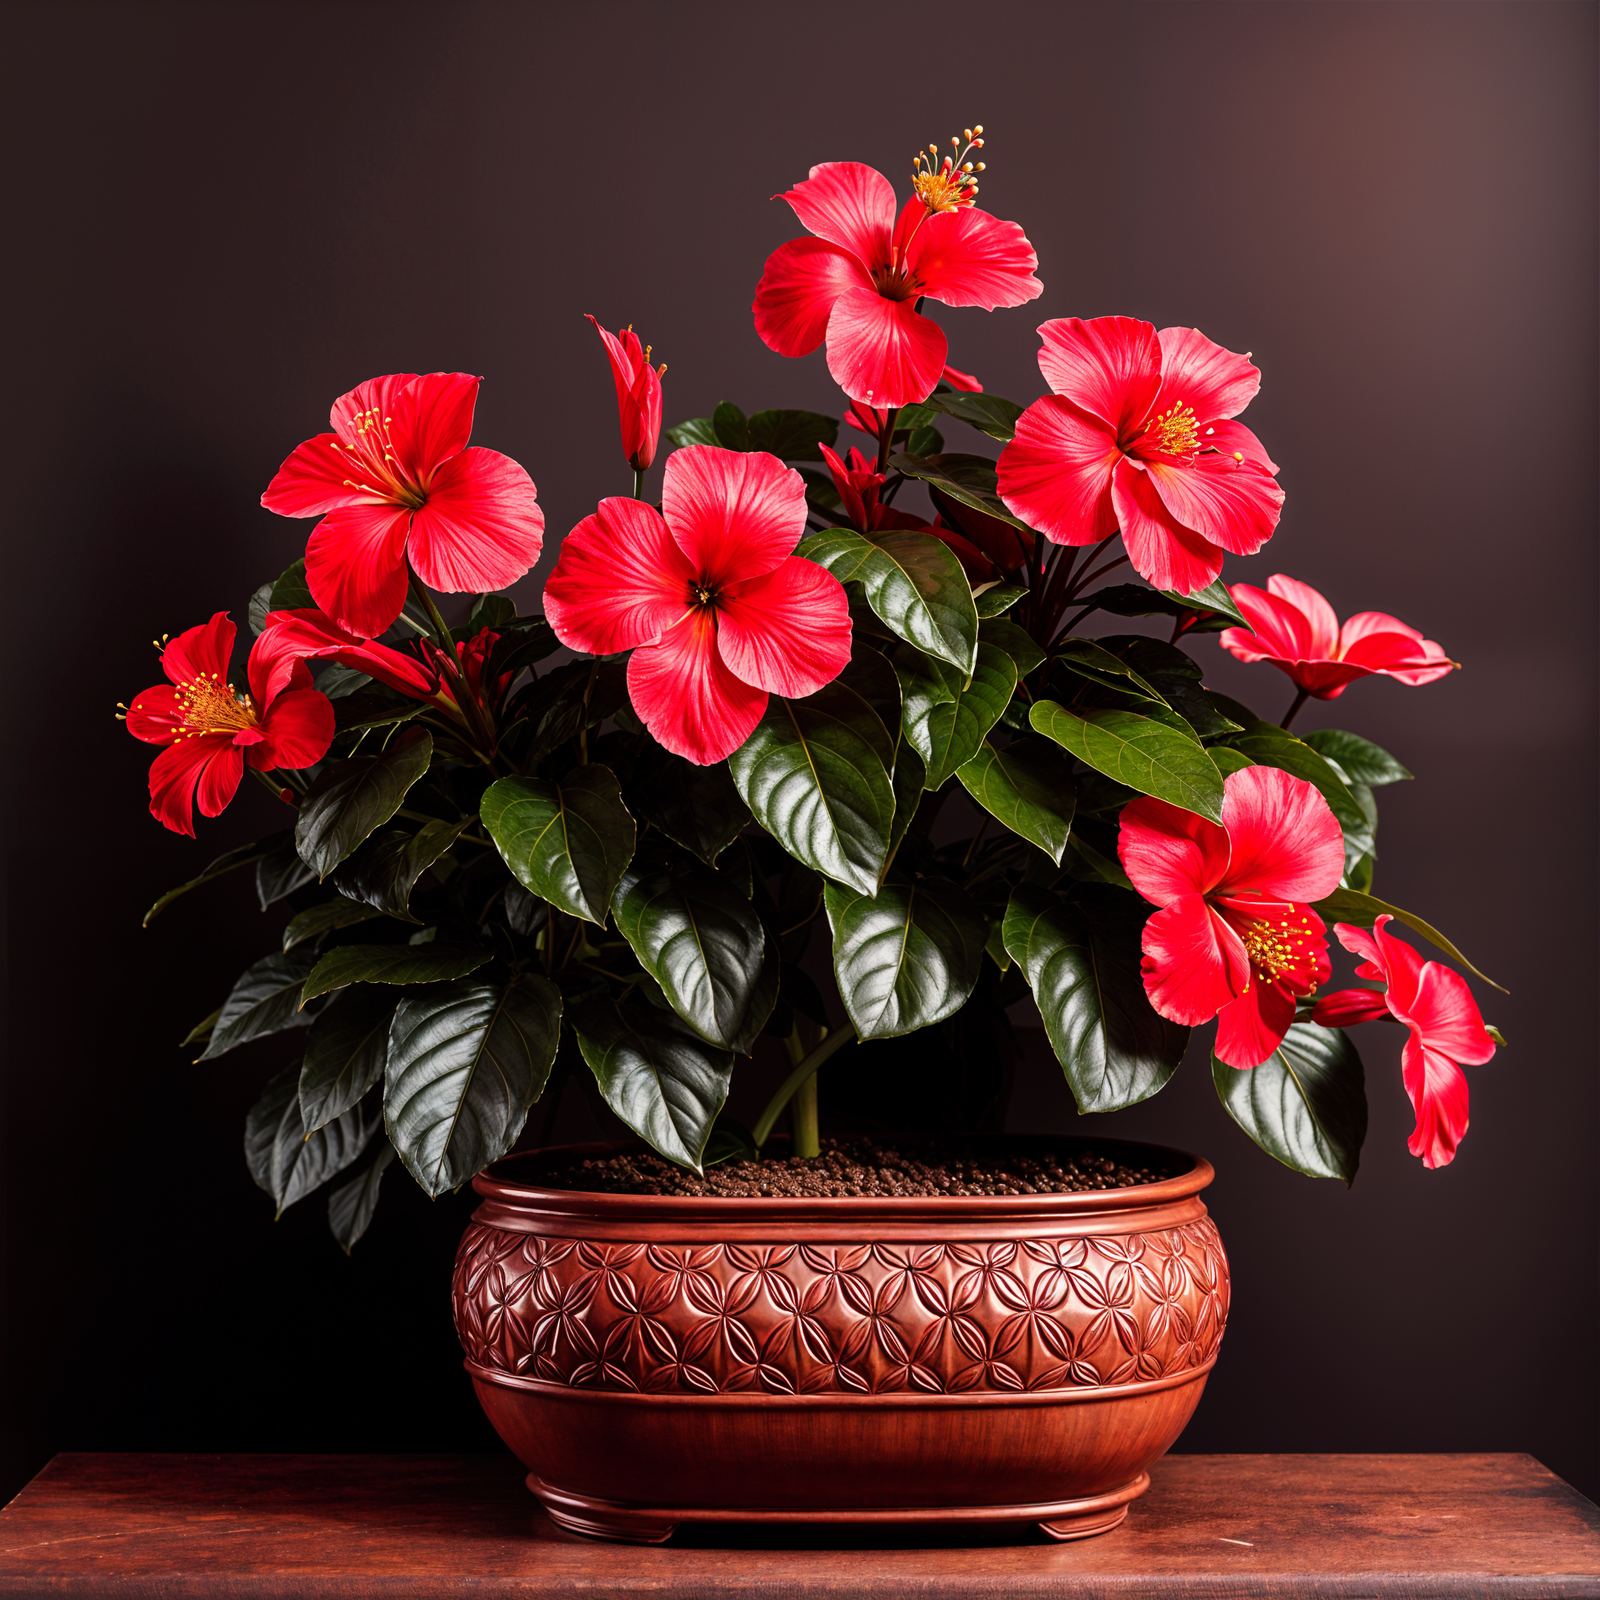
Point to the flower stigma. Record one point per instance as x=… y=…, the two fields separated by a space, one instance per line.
x=951 y=184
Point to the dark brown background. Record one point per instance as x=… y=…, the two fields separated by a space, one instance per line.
x=221 y=216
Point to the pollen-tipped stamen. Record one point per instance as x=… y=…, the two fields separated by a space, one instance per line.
x=950 y=184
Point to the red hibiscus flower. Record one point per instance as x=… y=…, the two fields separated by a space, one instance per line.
x=1296 y=630
x=400 y=487
x=1446 y=1028
x=1235 y=937
x=717 y=612
x=865 y=420
x=638 y=394
x=1137 y=435
x=857 y=282
x=211 y=730
x=858 y=485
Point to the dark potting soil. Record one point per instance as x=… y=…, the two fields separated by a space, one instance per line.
x=858 y=1167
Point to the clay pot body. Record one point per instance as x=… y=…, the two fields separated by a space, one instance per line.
x=654 y=1360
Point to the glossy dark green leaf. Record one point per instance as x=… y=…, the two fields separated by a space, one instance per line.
x=265 y=999
x=945 y=718
x=352 y=1204
x=339 y=683
x=384 y=871
x=1289 y=754
x=988 y=413
x=490 y=611
x=924 y=441
x=243 y=856
x=350 y=800
x=868 y=672
x=1136 y=751
x=909 y=786
x=1089 y=660
x=464 y=1064
x=325 y=918
x=290 y=591
x=995 y=598
x=525 y=913
x=1016 y=642
x=1176 y=677
x=792 y=435
x=566 y=842
x=1214 y=597
x=1306 y=1104
x=390 y=963
x=373 y=709
x=1228 y=760
x=697 y=807
x=283 y=1158
x=568 y=699
x=1083 y=968
x=701 y=940
x=815 y=775
x=905 y=957
x=731 y=426
x=201 y=1030
x=1091 y=865
x=1349 y=905
x=344 y=1053
x=1028 y=786
x=662 y=1081
x=697 y=430
x=281 y=871
x=1359 y=759
x=912 y=581
x=967 y=479
x=522 y=642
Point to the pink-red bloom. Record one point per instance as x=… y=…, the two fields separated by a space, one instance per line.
x=211 y=730
x=1235 y=936
x=1445 y=1024
x=716 y=610
x=1297 y=631
x=858 y=485
x=638 y=394
x=856 y=283
x=865 y=420
x=1138 y=435
x=400 y=487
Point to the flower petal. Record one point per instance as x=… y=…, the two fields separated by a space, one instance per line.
x=277 y=662
x=1344 y=1008
x=849 y=204
x=1438 y=1091
x=1194 y=963
x=1294 y=620
x=155 y=715
x=1107 y=366
x=201 y=652
x=787 y=632
x=961 y=380
x=296 y=730
x=797 y=290
x=1381 y=643
x=1056 y=473
x=969 y=258
x=883 y=352
x=621 y=580
x=208 y=767
x=1284 y=841
x=1250 y=1029
x=292 y=637
x=686 y=696
x=376 y=395
x=431 y=421
x=1003 y=543
x=1169 y=853
x=315 y=478
x=1200 y=374
x=356 y=568
x=734 y=513
x=1163 y=552
x=1231 y=503
x=1229 y=438
x=1443 y=1008
x=481 y=528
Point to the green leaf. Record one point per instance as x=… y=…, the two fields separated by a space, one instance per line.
x=1214 y=597
x=1359 y=759
x=1348 y=905
x=290 y=591
x=389 y=963
x=375 y=709
x=266 y=999
x=910 y=778
x=568 y=699
x=906 y=957
x=1083 y=967
x=1176 y=677
x=351 y=1205
x=870 y=675
x=490 y=611
x=1016 y=642
x=1088 y=660
x=697 y=807
x=731 y=426
x=1306 y=1104
x=325 y=918
x=924 y=441
x=701 y=940
x=988 y=413
x=1083 y=861
x=383 y=872
x=912 y=581
x=1137 y=752
x=697 y=430
x=339 y=683
x=522 y=641
x=945 y=718
x=566 y=842
x=1289 y=754
x=283 y=1158
x=665 y=1084
x=243 y=856
x=344 y=1054
x=351 y=799
x=815 y=775
x=201 y=1030
x=464 y=1065
x=1228 y=760
x=281 y=871
x=968 y=479
x=1027 y=786
x=991 y=599
x=792 y=435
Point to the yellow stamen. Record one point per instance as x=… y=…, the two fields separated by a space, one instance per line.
x=950 y=185
x=1174 y=432
x=208 y=705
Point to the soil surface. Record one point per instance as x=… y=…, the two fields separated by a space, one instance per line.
x=859 y=1167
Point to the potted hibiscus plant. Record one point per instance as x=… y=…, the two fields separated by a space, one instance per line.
x=809 y=690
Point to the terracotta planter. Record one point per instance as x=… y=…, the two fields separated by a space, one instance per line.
x=1010 y=1358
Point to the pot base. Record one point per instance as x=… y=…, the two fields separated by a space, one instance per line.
x=638 y=1524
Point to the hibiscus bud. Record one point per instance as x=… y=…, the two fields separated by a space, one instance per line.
x=638 y=387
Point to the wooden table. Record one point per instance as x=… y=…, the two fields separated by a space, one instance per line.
x=440 y=1526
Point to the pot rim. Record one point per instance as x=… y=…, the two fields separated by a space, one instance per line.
x=495 y=1184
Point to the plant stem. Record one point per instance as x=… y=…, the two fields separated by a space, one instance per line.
x=1293 y=711
x=824 y=1047
x=803 y=1108
x=884 y=439
x=638 y=483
